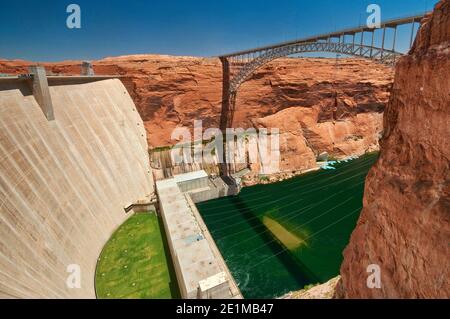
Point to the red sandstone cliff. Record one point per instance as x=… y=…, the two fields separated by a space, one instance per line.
x=320 y=106
x=405 y=223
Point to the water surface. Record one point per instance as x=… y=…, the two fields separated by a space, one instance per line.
x=280 y=237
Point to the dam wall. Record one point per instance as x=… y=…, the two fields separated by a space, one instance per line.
x=64 y=183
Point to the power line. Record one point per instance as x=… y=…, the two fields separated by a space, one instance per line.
x=309 y=237
x=297 y=227
x=289 y=185
x=281 y=207
x=302 y=211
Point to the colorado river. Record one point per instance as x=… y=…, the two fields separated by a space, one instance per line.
x=280 y=237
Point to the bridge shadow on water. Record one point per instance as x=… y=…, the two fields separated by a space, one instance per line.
x=298 y=271
x=281 y=237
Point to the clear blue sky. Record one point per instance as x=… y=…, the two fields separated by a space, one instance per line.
x=36 y=30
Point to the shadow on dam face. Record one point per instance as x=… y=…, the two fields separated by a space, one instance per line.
x=23 y=86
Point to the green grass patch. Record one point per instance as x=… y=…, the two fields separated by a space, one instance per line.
x=135 y=262
x=311 y=286
x=160 y=149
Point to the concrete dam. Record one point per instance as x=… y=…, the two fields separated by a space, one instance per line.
x=316 y=167
x=65 y=183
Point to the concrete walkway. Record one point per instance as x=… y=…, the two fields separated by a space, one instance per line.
x=199 y=266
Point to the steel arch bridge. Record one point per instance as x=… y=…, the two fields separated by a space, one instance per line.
x=357 y=50
x=239 y=66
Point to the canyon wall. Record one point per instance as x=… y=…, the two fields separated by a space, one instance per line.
x=320 y=105
x=405 y=224
x=64 y=183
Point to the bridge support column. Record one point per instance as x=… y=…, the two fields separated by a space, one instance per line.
x=373 y=42
x=362 y=42
x=382 y=43
x=353 y=43
x=227 y=113
x=395 y=39
x=412 y=33
x=394 y=42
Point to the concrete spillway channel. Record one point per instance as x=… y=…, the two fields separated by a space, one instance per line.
x=200 y=268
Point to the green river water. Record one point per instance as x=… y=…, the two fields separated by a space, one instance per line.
x=281 y=237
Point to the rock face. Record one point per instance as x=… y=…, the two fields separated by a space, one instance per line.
x=319 y=105
x=303 y=137
x=405 y=224
x=324 y=291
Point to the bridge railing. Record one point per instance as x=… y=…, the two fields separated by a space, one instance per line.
x=389 y=24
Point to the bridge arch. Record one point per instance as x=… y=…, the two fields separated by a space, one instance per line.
x=356 y=50
x=238 y=67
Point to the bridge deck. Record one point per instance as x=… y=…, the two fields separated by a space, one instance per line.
x=351 y=31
